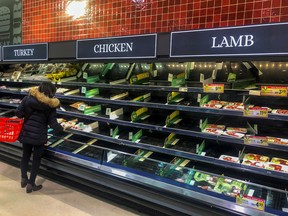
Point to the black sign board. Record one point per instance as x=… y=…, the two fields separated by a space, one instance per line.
x=255 y=40
x=26 y=52
x=136 y=46
x=10 y=22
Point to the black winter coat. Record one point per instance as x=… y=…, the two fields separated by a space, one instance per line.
x=38 y=112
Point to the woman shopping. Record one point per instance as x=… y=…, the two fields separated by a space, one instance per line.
x=39 y=111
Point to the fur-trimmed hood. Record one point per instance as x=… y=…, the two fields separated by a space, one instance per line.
x=51 y=102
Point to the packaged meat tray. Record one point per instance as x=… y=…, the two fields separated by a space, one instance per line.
x=256 y=157
x=237 y=130
x=233 y=134
x=235 y=104
x=279 y=161
x=277 y=167
x=229 y=187
x=234 y=107
x=214 y=106
x=229 y=158
x=214 y=126
x=213 y=131
x=266 y=108
x=280 y=111
x=218 y=102
x=254 y=163
x=276 y=140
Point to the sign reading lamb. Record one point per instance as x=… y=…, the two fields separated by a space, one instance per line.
x=231 y=41
x=260 y=40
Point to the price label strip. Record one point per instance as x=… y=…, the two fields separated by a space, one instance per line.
x=251 y=202
x=213 y=88
x=256 y=140
x=274 y=91
x=256 y=112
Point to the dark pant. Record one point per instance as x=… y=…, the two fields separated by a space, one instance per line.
x=37 y=155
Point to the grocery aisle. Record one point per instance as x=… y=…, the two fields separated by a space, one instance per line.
x=53 y=199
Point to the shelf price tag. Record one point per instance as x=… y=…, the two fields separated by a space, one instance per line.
x=137 y=136
x=93 y=79
x=83 y=90
x=85 y=75
x=256 y=140
x=199 y=149
x=130 y=135
x=143 y=98
x=142 y=155
x=213 y=88
x=92 y=110
x=170 y=140
x=214 y=74
x=250 y=201
x=91 y=93
x=154 y=73
x=170 y=77
x=173 y=119
x=174 y=97
x=201 y=77
x=274 y=91
x=108 y=111
x=178 y=81
x=183 y=89
x=115 y=132
x=231 y=77
x=82 y=107
x=256 y=112
x=140 y=78
x=140 y=114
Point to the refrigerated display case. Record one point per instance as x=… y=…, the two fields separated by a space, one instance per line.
x=170 y=147
x=146 y=132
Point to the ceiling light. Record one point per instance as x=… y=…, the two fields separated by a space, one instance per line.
x=76 y=9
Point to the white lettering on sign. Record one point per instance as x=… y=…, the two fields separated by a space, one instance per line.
x=114 y=47
x=241 y=41
x=17 y=22
x=24 y=52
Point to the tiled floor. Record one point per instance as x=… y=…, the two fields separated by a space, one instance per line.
x=53 y=199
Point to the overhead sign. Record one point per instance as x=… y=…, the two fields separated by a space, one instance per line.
x=255 y=40
x=25 y=52
x=10 y=22
x=139 y=46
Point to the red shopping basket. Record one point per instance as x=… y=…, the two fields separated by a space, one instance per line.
x=10 y=129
